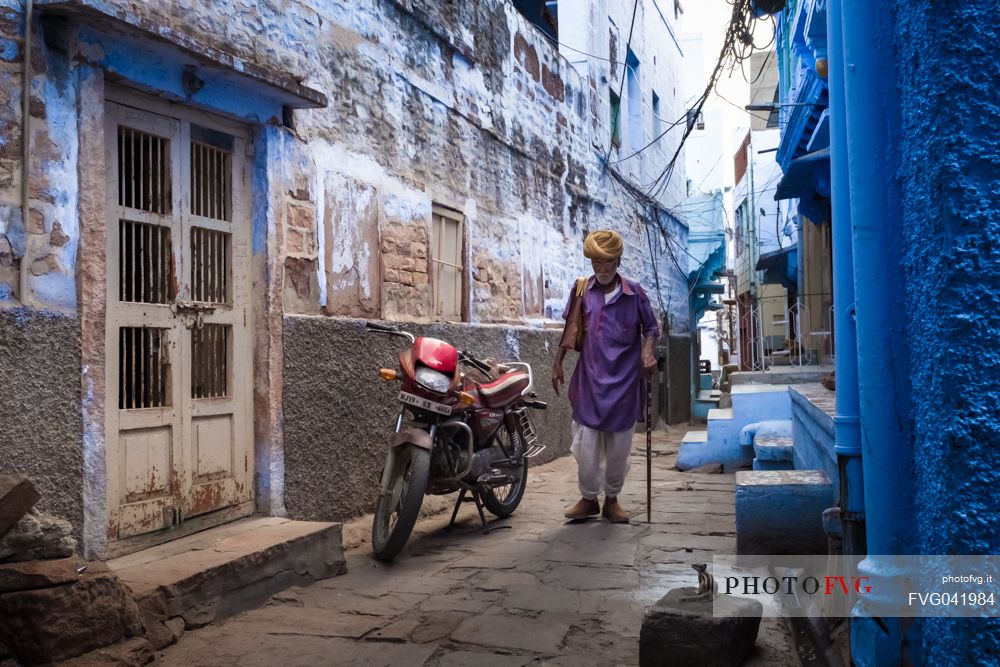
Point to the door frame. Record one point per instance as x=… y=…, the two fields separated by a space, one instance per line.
x=94 y=92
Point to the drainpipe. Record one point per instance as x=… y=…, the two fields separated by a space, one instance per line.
x=847 y=422
x=873 y=128
x=26 y=142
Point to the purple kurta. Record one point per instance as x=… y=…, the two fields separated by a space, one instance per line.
x=607 y=391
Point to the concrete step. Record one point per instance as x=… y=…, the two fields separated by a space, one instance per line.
x=784 y=375
x=760 y=402
x=759 y=464
x=228 y=569
x=773 y=451
x=706 y=401
x=781 y=511
x=721 y=444
x=720 y=414
x=743 y=389
x=695 y=436
x=777 y=448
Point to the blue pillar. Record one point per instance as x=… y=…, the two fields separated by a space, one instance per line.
x=885 y=402
x=847 y=424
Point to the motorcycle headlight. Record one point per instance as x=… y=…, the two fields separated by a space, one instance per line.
x=433 y=380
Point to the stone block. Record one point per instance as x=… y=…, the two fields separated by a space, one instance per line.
x=31 y=574
x=37 y=536
x=157 y=633
x=781 y=511
x=682 y=633
x=132 y=652
x=60 y=622
x=17 y=496
x=177 y=626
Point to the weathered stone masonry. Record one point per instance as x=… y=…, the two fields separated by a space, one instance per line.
x=461 y=105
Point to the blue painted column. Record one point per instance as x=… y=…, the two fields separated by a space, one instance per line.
x=885 y=402
x=847 y=424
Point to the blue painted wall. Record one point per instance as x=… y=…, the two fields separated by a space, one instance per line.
x=923 y=142
x=948 y=74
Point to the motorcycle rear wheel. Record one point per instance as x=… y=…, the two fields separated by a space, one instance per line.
x=396 y=512
x=503 y=500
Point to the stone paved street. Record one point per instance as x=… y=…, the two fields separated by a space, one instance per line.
x=545 y=591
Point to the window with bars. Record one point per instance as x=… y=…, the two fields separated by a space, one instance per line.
x=146 y=263
x=210 y=361
x=143 y=368
x=446 y=261
x=143 y=171
x=211 y=181
x=210 y=258
x=148 y=269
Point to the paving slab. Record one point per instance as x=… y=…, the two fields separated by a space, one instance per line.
x=543 y=633
x=480 y=659
x=544 y=592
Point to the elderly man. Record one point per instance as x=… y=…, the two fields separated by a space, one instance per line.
x=607 y=392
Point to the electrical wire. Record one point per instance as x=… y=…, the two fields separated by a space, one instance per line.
x=613 y=62
x=737 y=47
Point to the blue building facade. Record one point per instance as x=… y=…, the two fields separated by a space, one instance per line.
x=891 y=117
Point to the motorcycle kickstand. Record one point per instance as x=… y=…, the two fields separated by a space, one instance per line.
x=487 y=528
x=454 y=512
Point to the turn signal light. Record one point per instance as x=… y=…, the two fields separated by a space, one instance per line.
x=388 y=374
x=466 y=398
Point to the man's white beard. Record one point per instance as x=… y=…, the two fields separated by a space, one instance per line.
x=605 y=281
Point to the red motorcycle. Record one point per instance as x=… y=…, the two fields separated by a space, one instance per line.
x=455 y=432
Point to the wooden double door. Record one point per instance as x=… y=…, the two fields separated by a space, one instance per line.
x=179 y=358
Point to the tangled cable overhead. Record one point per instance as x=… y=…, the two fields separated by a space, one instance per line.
x=737 y=47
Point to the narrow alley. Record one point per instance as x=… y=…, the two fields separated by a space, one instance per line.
x=545 y=591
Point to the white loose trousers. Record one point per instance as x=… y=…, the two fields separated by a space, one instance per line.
x=602 y=460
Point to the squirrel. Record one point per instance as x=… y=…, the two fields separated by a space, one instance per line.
x=707 y=587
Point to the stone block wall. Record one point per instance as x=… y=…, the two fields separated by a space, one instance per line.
x=464 y=106
x=461 y=105
x=406 y=266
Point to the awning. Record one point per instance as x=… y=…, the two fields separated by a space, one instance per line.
x=806 y=176
x=779 y=267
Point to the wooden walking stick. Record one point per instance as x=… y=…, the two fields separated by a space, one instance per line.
x=649 y=451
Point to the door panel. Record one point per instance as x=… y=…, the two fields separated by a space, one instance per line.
x=178 y=426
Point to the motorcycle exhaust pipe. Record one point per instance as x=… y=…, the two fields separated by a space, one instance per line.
x=495 y=478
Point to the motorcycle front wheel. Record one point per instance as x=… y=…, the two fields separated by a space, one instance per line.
x=396 y=511
x=501 y=501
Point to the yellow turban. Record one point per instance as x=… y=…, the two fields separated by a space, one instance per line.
x=604 y=244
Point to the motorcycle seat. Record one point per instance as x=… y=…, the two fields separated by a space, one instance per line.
x=505 y=389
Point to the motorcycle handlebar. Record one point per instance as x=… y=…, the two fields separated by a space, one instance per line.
x=470 y=359
x=392 y=331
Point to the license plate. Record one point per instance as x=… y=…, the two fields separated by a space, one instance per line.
x=423 y=403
